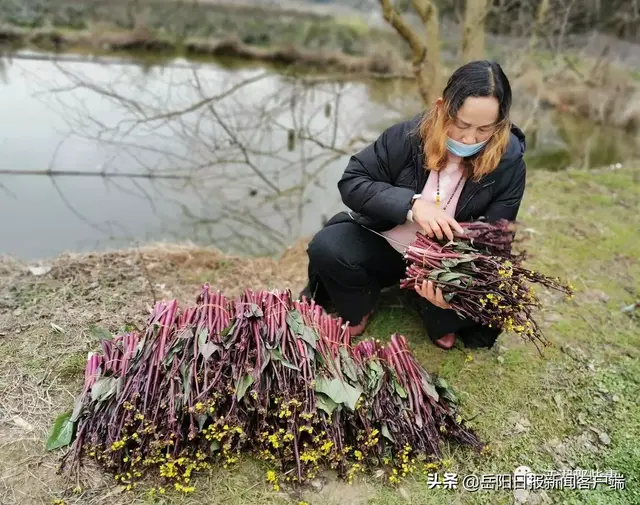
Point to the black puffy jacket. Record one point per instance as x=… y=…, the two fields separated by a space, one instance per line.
x=380 y=181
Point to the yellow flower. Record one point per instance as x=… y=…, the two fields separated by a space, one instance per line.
x=271 y=476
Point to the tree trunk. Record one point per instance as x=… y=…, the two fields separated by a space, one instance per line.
x=538 y=28
x=425 y=51
x=431 y=66
x=473 y=43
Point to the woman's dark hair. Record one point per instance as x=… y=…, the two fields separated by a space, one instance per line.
x=478 y=78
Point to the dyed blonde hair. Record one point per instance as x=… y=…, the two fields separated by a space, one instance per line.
x=436 y=121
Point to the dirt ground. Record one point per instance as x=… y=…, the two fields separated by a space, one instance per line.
x=44 y=321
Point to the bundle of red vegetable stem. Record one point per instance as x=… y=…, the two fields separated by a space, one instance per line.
x=481 y=278
x=263 y=374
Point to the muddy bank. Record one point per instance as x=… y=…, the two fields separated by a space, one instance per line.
x=143 y=42
x=606 y=94
x=264 y=26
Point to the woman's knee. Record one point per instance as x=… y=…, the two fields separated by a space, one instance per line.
x=330 y=247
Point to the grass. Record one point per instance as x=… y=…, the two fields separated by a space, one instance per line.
x=576 y=407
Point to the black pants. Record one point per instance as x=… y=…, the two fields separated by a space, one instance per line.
x=349 y=266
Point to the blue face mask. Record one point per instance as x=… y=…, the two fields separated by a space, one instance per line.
x=463 y=150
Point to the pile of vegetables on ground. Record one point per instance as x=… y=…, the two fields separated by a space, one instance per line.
x=280 y=379
x=262 y=374
x=482 y=278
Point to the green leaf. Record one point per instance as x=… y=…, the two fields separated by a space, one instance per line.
x=339 y=391
x=243 y=385
x=266 y=358
x=310 y=336
x=228 y=329
x=462 y=246
x=278 y=337
x=103 y=389
x=386 y=433
x=140 y=347
x=375 y=367
x=77 y=410
x=433 y=275
x=176 y=348
x=400 y=391
x=215 y=446
x=311 y=353
x=445 y=390
x=276 y=355
x=348 y=366
x=448 y=297
x=130 y=327
x=295 y=322
x=202 y=337
x=375 y=377
x=451 y=276
x=201 y=419
x=187 y=374
x=430 y=388
x=263 y=330
x=453 y=262
x=208 y=349
x=325 y=403
x=100 y=333
x=62 y=432
x=253 y=311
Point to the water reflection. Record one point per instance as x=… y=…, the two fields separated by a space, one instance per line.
x=254 y=155
x=558 y=141
x=242 y=158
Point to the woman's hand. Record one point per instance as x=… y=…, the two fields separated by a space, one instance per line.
x=435 y=221
x=433 y=295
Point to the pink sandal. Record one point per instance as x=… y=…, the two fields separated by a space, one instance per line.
x=446 y=342
x=358 y=330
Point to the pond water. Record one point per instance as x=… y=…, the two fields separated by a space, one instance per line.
x=242 y=158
